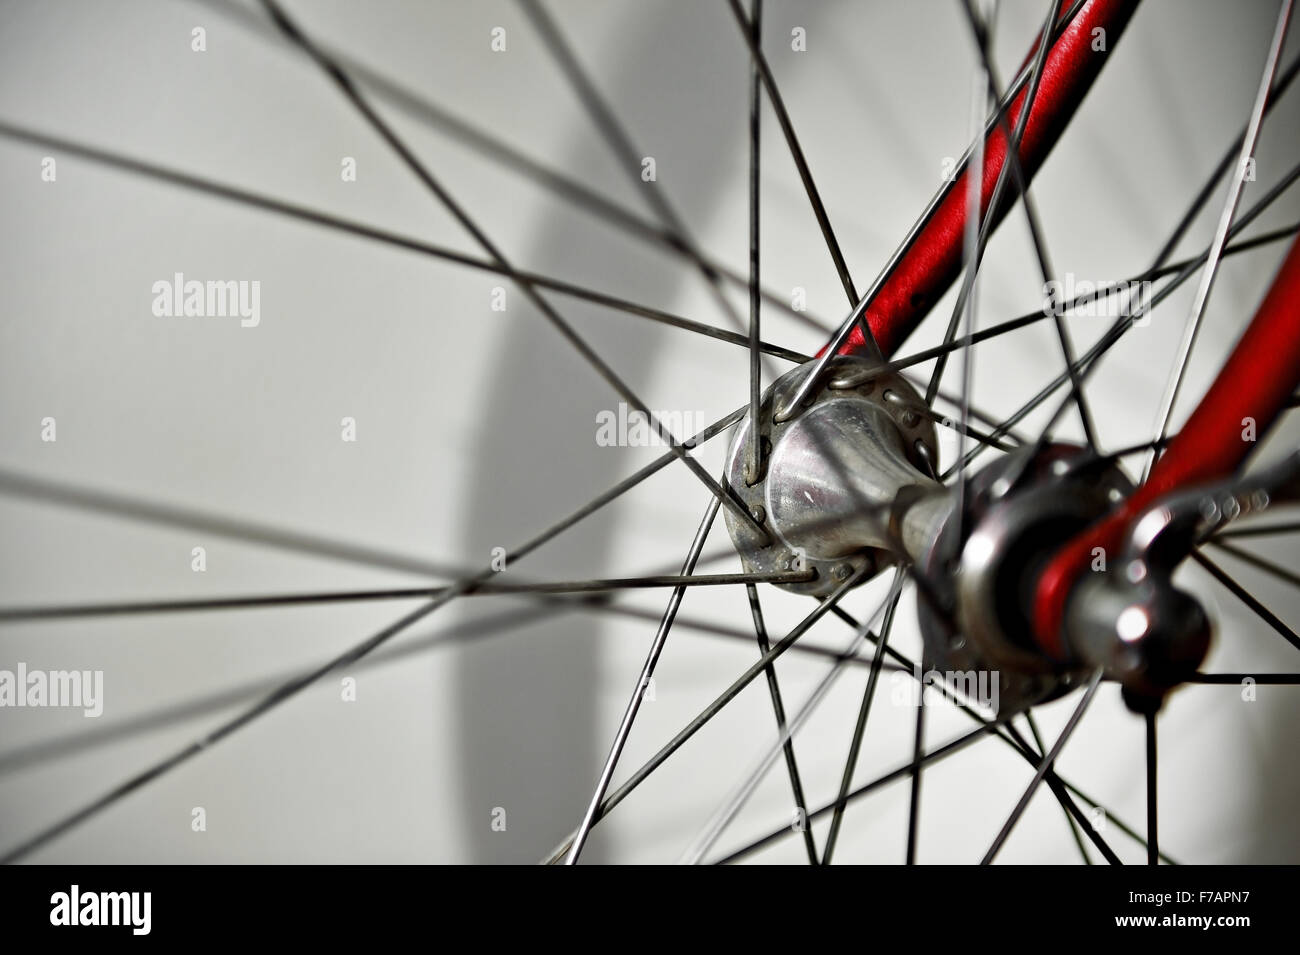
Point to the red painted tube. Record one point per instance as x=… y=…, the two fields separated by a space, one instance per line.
x=1256 y=382
x=933 y=261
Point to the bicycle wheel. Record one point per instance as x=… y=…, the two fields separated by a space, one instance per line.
x=448 y=420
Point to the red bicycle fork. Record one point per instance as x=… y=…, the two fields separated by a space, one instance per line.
x=1249 y=393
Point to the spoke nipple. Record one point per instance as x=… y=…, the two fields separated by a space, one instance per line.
x=758 y=513
x=843 y=571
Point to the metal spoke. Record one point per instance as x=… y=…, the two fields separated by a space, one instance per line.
x=1073 y=814
x=935 y=755
x=778 y=710
x=1089 y=361
x=285 y=692
x=542 y=608
x=712 y=710
x=293 y=687
x=351 y=227
x=490 y=589
x=620 y=144
x=1221 y=232
x=422 y=173
x=638 y=692
x=1247 y=598
x=956 y=745
x=1224 y=164
x=754 y=465
x=1069 y=819
x=970 y=298
x=1180 y=268
x=1043 y=767
x=1153 y=848
x=1262 y=679
x=975 y=184
x=732 y=806
x=801 y=163
x=574 y=192
x=801 y=395
x=980 y=32
x=914 y=799
x=1262 y=531
x=1061 y=788
x=137 y=509
x=1259 y=563
x=859 y=731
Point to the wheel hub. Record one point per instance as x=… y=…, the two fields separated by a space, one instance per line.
x=830 y=478
x=847 y=487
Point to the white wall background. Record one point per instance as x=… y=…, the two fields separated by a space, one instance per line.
x=475 y=428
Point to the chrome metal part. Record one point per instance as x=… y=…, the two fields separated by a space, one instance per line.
x=1146 y=633
x=835 y=482
x=1017 y=511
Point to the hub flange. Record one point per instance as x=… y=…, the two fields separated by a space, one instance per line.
x=831 y=480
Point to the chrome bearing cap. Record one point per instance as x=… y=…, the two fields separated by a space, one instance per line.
x=830 y=479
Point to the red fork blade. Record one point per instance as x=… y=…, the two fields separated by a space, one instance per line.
x=933 y=261
x=1254 y=386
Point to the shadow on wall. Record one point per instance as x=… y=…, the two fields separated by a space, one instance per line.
x=530 y=737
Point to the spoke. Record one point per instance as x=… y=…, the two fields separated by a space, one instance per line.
x=1153 y=849
x=981 y=34
x=1090 y=360
x=712 y=710
x=620 y=144
x=1265 y=530
x=638 y=692
x=1120 y=824
x=571 y=190
x=361 y=230
x=286 y=691
x=16 y=614
x=859 y=731
x=1259 y=563
x=801 y=163
x=995 y=198
x=1008 y=734
x=1059 y=788
x=754 y=465
x=422 y=173
x=778 y=710
x=976 y=413
x=969 y=297
x=1263 y=679
x=136 y=509
x=961 y=742
x=1225 y=163
x=732 y=806
x=914 y=801
x=934 y=756
x=31 y=487
x=1245 y=596
x=1014 y=324
x=801 y=394
x=1069 y=819
x=291 y=688
x=1043 y=768
x=544 y=607
x=1236 y=181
